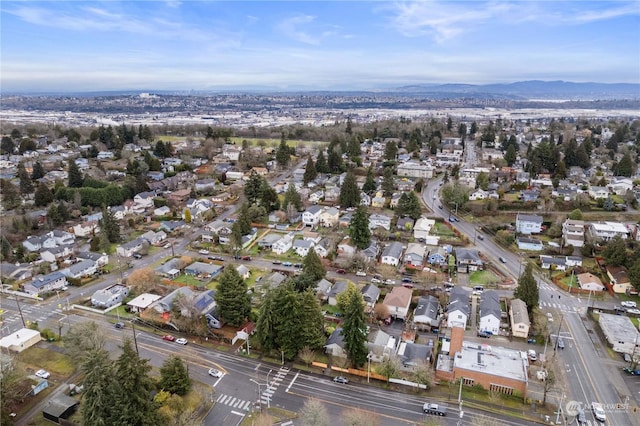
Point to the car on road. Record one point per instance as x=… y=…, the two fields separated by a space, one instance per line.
x=246 y=258
x=341 y=271
x=549 y=317
x=484 y=334
x=440 y=206
x=628 y=304
x=43 y=374
x=560 y=343
x=361 y=274
x=203 y=251
x=277 y=262
x=137 y=256
x=407 y=280
x=221 y=259
x=598 y=412
x=452 y=219
x=580 y=417
x=215 y=373
x=65 y=288
x=166 y=246
x=341 y=379
x=181 y=341
x=287 y=264
x=632 y=372
x=532 y=355
x=168 y=338
x=390 y=282
x=119 y=325
x=502 y=259
x=375 y=281
x=297 y=265
x=633 y=311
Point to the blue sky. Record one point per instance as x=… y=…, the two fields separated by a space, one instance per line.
x=328 y=45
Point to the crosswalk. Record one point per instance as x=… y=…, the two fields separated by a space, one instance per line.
x=560 y=306
x=273 y=384
x=234 y=402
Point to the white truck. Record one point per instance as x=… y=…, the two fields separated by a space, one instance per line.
x=435 y=409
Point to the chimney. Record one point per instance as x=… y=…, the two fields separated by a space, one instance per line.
x=457 y=335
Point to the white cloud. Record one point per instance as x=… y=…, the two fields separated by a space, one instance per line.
x=290 y=28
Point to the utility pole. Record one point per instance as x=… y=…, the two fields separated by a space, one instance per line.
x=20 y=310
x=135 y=339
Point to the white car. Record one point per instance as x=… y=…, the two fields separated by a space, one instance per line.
x=390 y=282
x=43 y=374
x=204 y=252
x=628 y=304
x=215 y=373
x=549 y=317
x=181 y=341
x=633 y=311
x=375 y=281
x=361 y=274
x=598 y=412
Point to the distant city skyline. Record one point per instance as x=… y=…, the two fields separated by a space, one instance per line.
x=77 y=46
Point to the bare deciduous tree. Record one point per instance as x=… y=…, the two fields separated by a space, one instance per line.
x=143 y=280
x=423 y=374
x=314 y=413
x=307 y=355
x=357 y=417
x=381 y=311
x=81 y=338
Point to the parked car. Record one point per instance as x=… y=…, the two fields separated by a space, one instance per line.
x=341 y=379
x=168 y=338
x=277 y=262
x=341 y=271
x=215 y=373
x=182 y=341
x=390 y=282
x=203 y=251
x=502 y=259
x=137 y=256
x=549 y=317
x=375 y=281
x=287 y=264
x=581 y=418
x=480 y=237
x=532 y=355
x=628 y=304
x=626 y=357
x=484 y=334
x=633 y=311
x=246 y=257
x=43 y=374
x=119 y=325
x=407 y=280
x=440 y=206
x=560 y=343
x=297 y=265
x=361 y=274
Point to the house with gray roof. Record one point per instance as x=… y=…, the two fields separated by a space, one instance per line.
x=392 y=254
x=17 y=272
x=338 y=288
x=109 y=296
x=490 y=312
x=44 y=283
x=323 y=288
x=528 y=224
x=201 y=269
x=334 y=345
x=519 y=316
x=380 y=345
x=84 y=268
x=302 y=247
x=426 y=314
x=412 y=354
x=468 y=260
x=129 y=248
x=370 y=294
x=458 y=308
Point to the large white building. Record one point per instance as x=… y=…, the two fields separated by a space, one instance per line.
x=605 y=231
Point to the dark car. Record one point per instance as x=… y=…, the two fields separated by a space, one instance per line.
x=237 y=257
x=277 y=262
x=407 y=280
x=119 y=325
x=137 y=256
x=502 y=259
x=297 y=265
x=480 y=237
x=246 y=257
x=484 y=334
x=341 y=271
x=341 y=379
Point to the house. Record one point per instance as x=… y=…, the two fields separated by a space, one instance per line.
x=315 y=197
x=329 y=217
x=404 y=224
x=338 y=288
x=531 y=244
x=53 y=254
x=588 y=281
x=415 y=169
x=379 y=220
x=244 y=272
x=378 y=201
x=172 y=225
x=101 y=259
x=268 y=240
x=45 y=283
x=599 y=192
x=458 y=308
x=154 y=238
x=133 y=246
x=345 y=219
x=162 y=211
x=573 y=232
x=370 y=295
x=219 y=227
x=438 y=256
x=302 y=247
x=422 y=228
x=398 y=301
x=490 y=312
x=528 y=224
x=572 y=261
x=392 y=253
x=478 y=194
x=605 y=231
x=345 y=247
x=311 y=216
x=371 y=253
x=519 y=319
x=468 y=260
x=425 y=316
x=143 y=201
x=283 y=245
x=20 y=340
x=380 y=345
x=413 y=354
x=272 y=281
x=619 y=279
x=620 y=185
x=334 y=345
x=109 y=296
x=552 y=262
x=84 y=268
x=85 y=229
x=323 y=247
x=204 y=270
x=15 y=271
x=205 y=184
x=529 y=196
x=414 y=255
x=142 y=302
x=323 y=288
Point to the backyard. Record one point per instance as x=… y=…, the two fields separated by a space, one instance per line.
x=483 y=278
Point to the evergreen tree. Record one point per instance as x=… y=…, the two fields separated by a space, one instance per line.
x=348 y=130
x=575 y=214
x=53 y=215
x=359 y=228
x=234 y=303
x=625 y=166
x=388 y=184
x=37 y=172
x=63 y=211
x=474 y=128
x=5 y=248
x=95 y=244
x=244 y=220
x=321 y=163
x=311 y=322
x=75 y=175
x=310 y=172
x=267 y=320
x=283 y=154
x=312 y=267
x=349 y=192
x=353 y=148
x=26 y=187
x=133 y=404
x=160 y=150
x=334 y=162
x=527 y=289
x=370 y=185
x=7 y=146
x=292 y=197
x=409 y=205
x=109 y=226
x=98 y=396
x=269 y=198
x=510 y=156
x=615 y=252
x=10 y=196
x=462 y=130
x=174 y=376
x=354 y=328
x=253 y=187
x=390 y=151
x=43 y=195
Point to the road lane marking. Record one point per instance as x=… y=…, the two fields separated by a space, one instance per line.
x=292 y=381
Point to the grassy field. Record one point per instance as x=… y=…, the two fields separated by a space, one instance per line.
x=271 y=142
x=483 y=278
x=54 y=362
x=442 y=230
x=191 y=280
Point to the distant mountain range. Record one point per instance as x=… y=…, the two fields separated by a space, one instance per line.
x=532 y=89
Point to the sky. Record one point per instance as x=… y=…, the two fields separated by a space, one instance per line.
x=77 y=46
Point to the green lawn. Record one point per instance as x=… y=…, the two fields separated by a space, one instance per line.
x=442 y=230
x=483 y=278
x=191 y=280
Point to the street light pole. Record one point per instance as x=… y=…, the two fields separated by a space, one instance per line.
x=559 y=409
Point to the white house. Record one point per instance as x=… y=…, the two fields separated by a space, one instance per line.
x=392 y=254
x=311 y=216
x=161 y=211
x=588 y=281
x=84 y=268
x=56 y=253
x=422 y=228
x=520 y=323
x=458 y=309
x=415 y=254
x=127 y=249
x=379 y=220
x=573 y=232
x=426 y=312
x=302 y=247
x=50 y=282
x=490 y=312
x=478 y=194
x=528 y=224
x=283 y=245
x=329 y=217
x=605 y=231
x=85 y=229
x=143 y=201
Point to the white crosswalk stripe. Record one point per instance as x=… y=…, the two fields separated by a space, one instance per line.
x=234 y=402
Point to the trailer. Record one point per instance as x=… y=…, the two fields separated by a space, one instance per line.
x=435 y=409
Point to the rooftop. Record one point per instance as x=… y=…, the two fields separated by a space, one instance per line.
x=496 y=361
